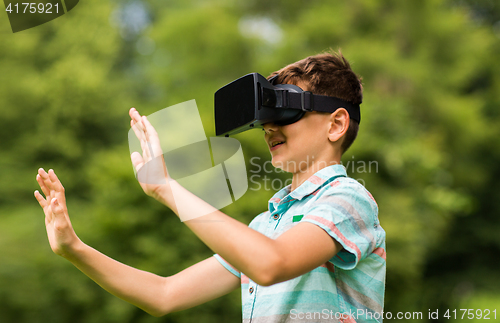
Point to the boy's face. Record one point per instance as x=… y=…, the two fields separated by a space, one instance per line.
x=303 y=143
x=295 y=147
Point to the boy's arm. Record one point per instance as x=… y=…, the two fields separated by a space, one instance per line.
x=156 y=295
x=266 y=261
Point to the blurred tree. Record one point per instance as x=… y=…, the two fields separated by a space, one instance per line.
x=461 y=271
x=427 y=148
x=62 y=101
x=484 y=11
x=66 y=88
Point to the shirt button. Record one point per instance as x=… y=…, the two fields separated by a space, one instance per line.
x=276 y=216
x=251 y=290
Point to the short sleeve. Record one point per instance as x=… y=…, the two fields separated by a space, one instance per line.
x=226 y=265
x=256 y=222
x=349 y=215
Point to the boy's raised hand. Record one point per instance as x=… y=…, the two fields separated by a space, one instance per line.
x=150 y=166
x=62 y=237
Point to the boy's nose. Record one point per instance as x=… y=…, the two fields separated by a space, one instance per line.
x=270 y=127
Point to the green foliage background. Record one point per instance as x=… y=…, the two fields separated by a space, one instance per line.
x=430 y=130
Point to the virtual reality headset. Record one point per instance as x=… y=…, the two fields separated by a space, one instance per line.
x=252 y=100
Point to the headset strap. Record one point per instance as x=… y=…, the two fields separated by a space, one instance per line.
x=306 y=101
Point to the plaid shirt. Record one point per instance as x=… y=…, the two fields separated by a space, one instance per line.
x=350 y=286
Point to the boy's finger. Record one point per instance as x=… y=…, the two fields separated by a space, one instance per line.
x=145 y=145
x=56 y=183
x=53 y=176
x=40 y=199
x=139 y=132
x=46 y=178
x=43 y=173
x=144 y=131
x=136 y=118
x=153 y=138
x=131 y=112
x=151 y=131
x=137 y=160
x=49 y=185
x=57 y=209
x=134 y=114
x=42 y=185
x=147 y=152
x=138 y=128
x=58 y=188
x=137 y=123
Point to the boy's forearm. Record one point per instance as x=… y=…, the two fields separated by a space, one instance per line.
x=142 y=289
x=248 y=250
x=264 y=260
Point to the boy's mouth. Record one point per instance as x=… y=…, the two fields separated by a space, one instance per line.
x=275 y=145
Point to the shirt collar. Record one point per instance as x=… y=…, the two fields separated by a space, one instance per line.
x=313 y=183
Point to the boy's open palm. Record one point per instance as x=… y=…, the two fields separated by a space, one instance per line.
x=150 y=165
x=62 y=237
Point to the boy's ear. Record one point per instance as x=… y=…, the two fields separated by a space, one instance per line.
x=339 y=123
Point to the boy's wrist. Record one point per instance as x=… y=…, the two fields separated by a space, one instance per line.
x=165 y=196
x=73 y=252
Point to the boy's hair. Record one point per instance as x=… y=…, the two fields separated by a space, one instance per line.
x=326 y=74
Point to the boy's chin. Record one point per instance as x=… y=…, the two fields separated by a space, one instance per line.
x=284 y=166
x=278 y=164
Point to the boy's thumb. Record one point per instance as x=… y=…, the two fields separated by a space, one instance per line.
x=137 y=161
x=55 y=206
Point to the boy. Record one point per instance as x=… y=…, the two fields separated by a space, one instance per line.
x=317 y=254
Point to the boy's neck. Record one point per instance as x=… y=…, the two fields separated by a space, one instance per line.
x=303 y=175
